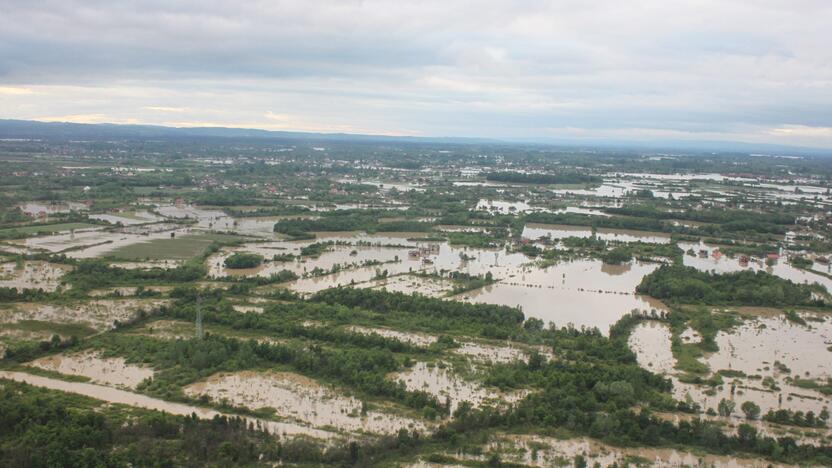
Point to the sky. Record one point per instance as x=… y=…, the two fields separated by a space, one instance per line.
x=757 y=71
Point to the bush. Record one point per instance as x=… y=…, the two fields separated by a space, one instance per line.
x=243 y=260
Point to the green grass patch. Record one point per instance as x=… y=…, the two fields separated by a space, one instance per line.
x=687 y=357
x=36 y=229
x=179 y=248
x=63 y=329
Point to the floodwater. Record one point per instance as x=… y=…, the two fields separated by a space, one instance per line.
x=506 y=207
x=124 y=397
x=206 y=219
x=90 y=364
x=408 y=284
x=488 y=353
x=650 y=341
x=542 y=451
x=44 y=208
x=128 y=218
x=301 y=399
x=583 y=211
x=98 y=314
x=416 y=339
x=709 y=258
x=440 y=381
x=562 y=231
x=91 y=243
x=337 y=256
x=567 y=292
x=581 y=292
x=758 y=347
x=32 y=275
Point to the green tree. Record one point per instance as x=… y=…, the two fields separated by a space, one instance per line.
x=725 y=407
x=751 y=410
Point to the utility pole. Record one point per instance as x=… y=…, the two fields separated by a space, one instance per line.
x=199 y=330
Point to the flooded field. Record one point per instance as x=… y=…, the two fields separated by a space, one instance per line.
x=97 y=242
x=32 y=275
x=488 y=353
x=415 y=339
x=408 y=284
x=106 y=371
x=559 y=231
x=440 y=381
x=301 y=399
x=769 y=353
x=569 y=292
x=534 y=450
x=128 y=218
x=99 y=314
x=506 y=207
x=39 y=209
x=650 y=341
x=709 y=258
x=563 y=293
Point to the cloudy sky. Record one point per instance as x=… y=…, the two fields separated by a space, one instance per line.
x=743 y=70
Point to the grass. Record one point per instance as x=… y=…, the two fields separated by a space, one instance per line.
x=687 y=357
x=825 y=388
x=63 y=329
x=46 y=228
x=180 y=248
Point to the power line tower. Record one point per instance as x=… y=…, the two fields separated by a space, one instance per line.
x=200 y=332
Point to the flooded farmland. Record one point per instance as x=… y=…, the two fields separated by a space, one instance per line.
x=380 y=303
x=32 y=275
x=767 y=355
x=298 y=398
x=440 y=381
x=101 y=314
x=106 y=371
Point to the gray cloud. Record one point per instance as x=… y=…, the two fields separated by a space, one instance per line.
x=745 y=70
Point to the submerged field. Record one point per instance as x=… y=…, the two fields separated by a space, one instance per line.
x=415 y=309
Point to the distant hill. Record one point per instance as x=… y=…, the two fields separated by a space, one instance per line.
x=30 y=129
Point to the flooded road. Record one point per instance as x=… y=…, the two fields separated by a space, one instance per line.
x=112 y=395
